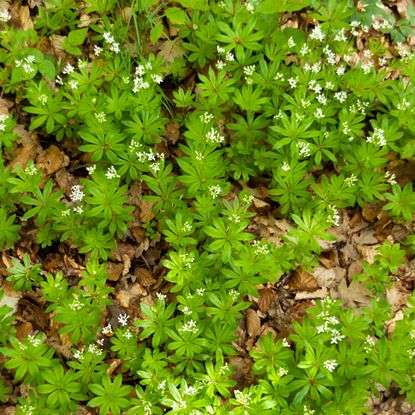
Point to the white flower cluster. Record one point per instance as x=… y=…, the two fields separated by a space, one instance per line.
x=214 y=136
x=4 y=15
x=33 y=340
x=112 y=173
x=123 y=319
x=341 y=96
x=308 y=411
x=333 y=215
x=317 y=34
x=304 y=147
x=161 y=297
x=340 y=36
x=293 y=82
x=26 y=64
x=234 y=294
x=101 y=117
x=27 y=410
x=76 y=193
x=330 y=55
x=75 y=305
x=329 y=325
x=3 y=119
x=261 y=247
x=359 y=107
x=68 y=68
x=140 y=72
x=243 y=398
x=215 y=191
x=201 y=291
x=304 y=50
x=107 y=330
x=206 y=117
x=330 y=365
x=412 y=334
x=43 y=99
x=250 y=5
x=190 y=327
x=187 y=260
x=368 y=344
x=113 y=45
x=91 y=169
x=282 y=372
x=411 y=353
x=248 y=72
x=403 y=105
x=351 y=180
x=390 y=178
x=377 y=137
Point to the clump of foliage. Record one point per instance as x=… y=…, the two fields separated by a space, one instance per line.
x=298 y=106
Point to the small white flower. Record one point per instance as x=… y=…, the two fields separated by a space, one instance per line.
x=91 y=169
x=249 y=70
x=101 y=117
x=4 y=15
x=350 y=181
x=334 y=217
x=75 y=305
x=111 y=173
x=293 y=82
x=140 y=70
x=220 y=49
x=319 y=113
x=220 y=65
x=107 y=330
x=330 y=365
x=285 y=342
x=161 y=297
x=282 y=372
x=243 y=398
x=291 y=42
x=68 y=69
x=128 y=334
x=391 y=179
x=341 y=70
x=341 y=96
x=28 y=68
x=123 y=319
x=76 y=193
x=78 y=209
x=190 y=327
x=73 y=84
x=230 y=57
x=214 y=136
x=317 y=34
x=304 y=50
x=200 y=291
x=157 y=79
x=97 y=50
x=206 y=117
x=215 y=191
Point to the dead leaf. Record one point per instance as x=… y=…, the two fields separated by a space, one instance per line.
x=51 y=160
x=146 y=212
x=266 y=298
x=144 y=277
x=125 y=296
x=253 y=323
x=328 y=278
x=23 y=155
x=355 y=293
x=302 y=280
x=172 y=132
x=114 y=270
x=171 y=49
x=22 y=17
x=305 y=295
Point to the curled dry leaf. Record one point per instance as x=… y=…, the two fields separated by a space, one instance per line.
x=266 y=298
x=253 y=323
x=114 y=271
x=145 y=277
x=125 y=296
x=51 y=160
x=302 y=280
x=146 y=211
x=328 y=278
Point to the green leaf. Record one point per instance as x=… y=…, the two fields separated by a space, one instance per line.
x=156 y=32
x=176 y=15
x=194 y=4
x=77 y=37
x=282 y=6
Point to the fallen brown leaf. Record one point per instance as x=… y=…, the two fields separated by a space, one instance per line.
x=253 y=323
